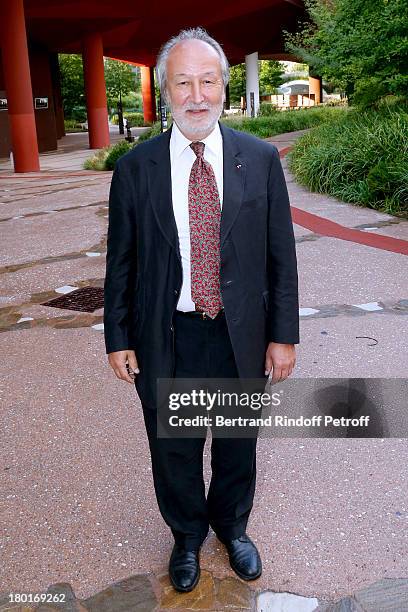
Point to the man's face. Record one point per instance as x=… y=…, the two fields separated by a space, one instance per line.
x=195 y=89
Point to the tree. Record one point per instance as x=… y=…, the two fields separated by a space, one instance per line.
x=359 y=45
x=72 y=86
x=120 y=80
x=237 y=83
x=270 y=77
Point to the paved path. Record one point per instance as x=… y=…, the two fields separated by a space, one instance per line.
x=77 y=503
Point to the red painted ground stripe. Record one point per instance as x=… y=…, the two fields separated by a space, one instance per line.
x=284 y=151
x=325 y=227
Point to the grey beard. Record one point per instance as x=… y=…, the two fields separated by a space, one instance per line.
x=195 y=129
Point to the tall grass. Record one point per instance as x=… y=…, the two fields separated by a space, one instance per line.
x=279 y=122
x=359 y=157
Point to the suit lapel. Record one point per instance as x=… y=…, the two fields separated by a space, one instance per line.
x=234 y=181
x=159 y=181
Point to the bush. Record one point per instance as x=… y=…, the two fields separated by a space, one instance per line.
x=116 y=151
x=72 y=126
x=134 y=119
x=106 y=158
x=154 y=130
x=280 y=122
x=97 y=162
x=266 y=109
x=361 y=157
x=78 y=113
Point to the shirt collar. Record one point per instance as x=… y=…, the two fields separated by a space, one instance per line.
x=178 y=142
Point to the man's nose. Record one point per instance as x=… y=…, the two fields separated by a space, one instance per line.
x=196 y=92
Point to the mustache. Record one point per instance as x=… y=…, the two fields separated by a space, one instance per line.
x=196 y=107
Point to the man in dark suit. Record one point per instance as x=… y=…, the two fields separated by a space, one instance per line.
x=201 y=281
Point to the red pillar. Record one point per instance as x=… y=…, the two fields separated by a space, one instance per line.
x=95 y=91
x=148 y=95
x=16 y=68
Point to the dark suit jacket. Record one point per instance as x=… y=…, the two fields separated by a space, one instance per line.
x=143 y=265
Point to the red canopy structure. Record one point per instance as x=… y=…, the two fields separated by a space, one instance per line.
x=33 y=32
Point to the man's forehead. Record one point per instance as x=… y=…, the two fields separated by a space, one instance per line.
x=202 y=74
x=186 y=48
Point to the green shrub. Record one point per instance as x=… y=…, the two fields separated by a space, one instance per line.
x=134 y=119
x=361 y=157
x=116 y=151
x=71 y=125
x=78 y=113
x=266 y=109
x=97 y=161
x=105 y=158
x=280 y=122
x=154 y=130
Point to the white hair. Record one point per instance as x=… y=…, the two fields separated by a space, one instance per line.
x=188 y=34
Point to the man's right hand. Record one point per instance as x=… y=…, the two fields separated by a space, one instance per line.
x=118 y=360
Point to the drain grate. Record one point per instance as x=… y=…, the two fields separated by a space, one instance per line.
x=85 y=299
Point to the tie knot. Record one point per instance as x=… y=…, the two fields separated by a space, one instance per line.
x=198 y=148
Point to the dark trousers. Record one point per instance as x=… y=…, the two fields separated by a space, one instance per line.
x=202 y=350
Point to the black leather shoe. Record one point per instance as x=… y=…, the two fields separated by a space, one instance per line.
x=244 y=557
x=184 y=568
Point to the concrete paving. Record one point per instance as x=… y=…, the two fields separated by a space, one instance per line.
x=78 y=512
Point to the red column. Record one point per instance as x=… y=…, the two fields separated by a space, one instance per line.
x=148 y=95
x=19 y=92
x=95 y=91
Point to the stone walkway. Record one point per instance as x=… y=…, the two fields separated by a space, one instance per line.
x=148 y=593
x=77 y=509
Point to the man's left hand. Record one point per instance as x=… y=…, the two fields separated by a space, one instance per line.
x=281 y=358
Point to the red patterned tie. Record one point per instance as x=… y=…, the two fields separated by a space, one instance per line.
x=205 y=218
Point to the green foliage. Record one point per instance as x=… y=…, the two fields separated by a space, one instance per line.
x=134 y=119
x=361 y=157
x=359 y=45
x=132 y=102
x=119 y=77
x=72 y=86
x=78 y=114
x=154 y=130
x=120 y=80
x=71 y=125
x=266 y=109
x=116 y=151
x=237 y=83
x=270 y=77
x=97 y=161
x=105 y=158
x=284 y=121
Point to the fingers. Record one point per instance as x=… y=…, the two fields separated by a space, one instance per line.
x=124 y=365
x=282 y=371
x=133 y=362
x=268 y=364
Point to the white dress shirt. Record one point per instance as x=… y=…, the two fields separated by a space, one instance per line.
x=182 y=158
